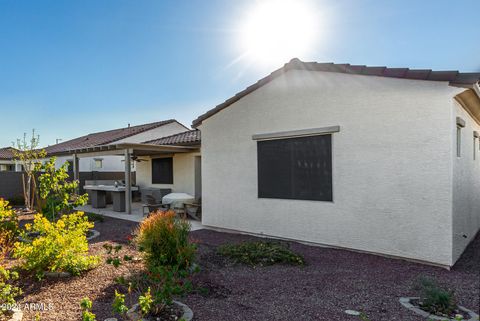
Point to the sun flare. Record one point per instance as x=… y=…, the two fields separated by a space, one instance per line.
x=278 y=30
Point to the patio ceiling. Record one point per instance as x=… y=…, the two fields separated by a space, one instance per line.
x=134 y=149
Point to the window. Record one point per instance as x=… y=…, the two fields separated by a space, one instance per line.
x=98 y=162
x=296 y=168
x=7 y=168
x=162 y=170
x=70 y=166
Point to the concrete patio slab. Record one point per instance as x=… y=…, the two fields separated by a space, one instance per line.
x=136 y=216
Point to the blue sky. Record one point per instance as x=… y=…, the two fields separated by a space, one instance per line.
x=68 y=68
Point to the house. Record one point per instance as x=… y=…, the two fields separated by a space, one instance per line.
x=374 y=159
x=130 y=134
x=7 y=162
x=85 y=164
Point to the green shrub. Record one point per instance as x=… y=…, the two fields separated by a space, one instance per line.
x=86 y=305
x=164 y=240
x=8 y=228
x=169 y=258
x=145 y=302
x=61 y=246
x=260 y=253
x=56 y=192
x=119 y=304
x=436 y=299
x=8 y=292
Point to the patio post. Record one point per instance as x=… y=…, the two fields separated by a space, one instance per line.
x=76 y=170
x=128 y=184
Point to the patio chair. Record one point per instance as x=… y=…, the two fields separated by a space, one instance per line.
x=194 y=210
x=153 y=205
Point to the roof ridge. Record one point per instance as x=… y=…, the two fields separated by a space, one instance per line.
x=454 y=77
x=169 y=136
x=107 y=136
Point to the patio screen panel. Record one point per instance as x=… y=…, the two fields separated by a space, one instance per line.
x=162 y=170
x=296 y=168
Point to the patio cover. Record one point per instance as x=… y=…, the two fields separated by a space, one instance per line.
x=127 y=150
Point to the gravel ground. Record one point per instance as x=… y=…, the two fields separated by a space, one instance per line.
x=331 y=282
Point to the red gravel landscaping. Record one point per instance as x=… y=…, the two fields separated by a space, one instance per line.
x=331 y=282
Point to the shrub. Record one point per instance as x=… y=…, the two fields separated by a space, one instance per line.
x=164 y=240
x=118 y=305
x=8 y=292
x=8 y=228
x=169 y=258
x=436 y=299
x=260 y=253
x=86 y=305
x=60 y=247
x=145 y=302
x=56 y=192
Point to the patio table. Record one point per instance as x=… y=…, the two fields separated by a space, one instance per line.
x=177 y=200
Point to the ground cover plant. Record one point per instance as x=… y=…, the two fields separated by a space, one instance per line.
x=261 y=253
x=435 y=298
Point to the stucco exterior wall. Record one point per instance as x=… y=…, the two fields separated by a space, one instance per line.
x=466 y=182
x=183 y=174
x=87 y=164
x=392 y=165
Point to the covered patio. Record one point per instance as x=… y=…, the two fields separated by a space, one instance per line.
x=131 y=153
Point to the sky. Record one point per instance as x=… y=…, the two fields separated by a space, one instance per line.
x=69 y=68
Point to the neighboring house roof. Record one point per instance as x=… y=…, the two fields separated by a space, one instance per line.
x=191 y=137
x=6 y=153
x=452 y=76
x=103 y=138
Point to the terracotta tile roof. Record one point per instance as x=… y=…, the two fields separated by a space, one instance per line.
x=191 y=137
x=6 y=153
x=452 y=76
x=103 y=138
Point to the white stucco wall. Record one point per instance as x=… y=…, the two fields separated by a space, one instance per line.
x=155 y=133
x=183 y=174
x=466 y=182
x=10 y=162
x=87 y=164
x=392 y=164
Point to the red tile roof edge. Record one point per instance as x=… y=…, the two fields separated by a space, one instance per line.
x=452 y=76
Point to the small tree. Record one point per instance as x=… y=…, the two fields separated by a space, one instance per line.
x=57 y=194
x=27 y=153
